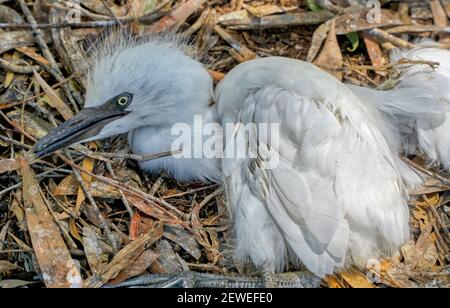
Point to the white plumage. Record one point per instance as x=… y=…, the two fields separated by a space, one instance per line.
x=336 y=197
x=168 y=87
x=416 y=111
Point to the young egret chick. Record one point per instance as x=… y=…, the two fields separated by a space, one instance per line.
x=323 y=190
x=417 y=110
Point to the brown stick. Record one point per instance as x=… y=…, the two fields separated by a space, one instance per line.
x=55 y=71
x=278 y=21
x=427 y=172
x=87 y=24
x=383 y=36
x=19 y=69
x=418 y=29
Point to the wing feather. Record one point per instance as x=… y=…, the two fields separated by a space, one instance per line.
x=316 y=191
x=335 y=194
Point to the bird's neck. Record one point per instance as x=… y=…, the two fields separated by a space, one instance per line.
x=193 y=164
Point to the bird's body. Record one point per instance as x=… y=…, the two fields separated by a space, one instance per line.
x=416 y=111
x=335 y=196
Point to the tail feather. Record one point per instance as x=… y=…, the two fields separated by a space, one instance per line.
x=416 y=112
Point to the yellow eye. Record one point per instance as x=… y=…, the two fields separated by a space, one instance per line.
x=123 y=100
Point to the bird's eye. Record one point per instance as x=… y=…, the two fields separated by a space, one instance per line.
x=123 y=100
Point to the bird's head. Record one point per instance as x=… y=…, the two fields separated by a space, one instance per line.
x=133 y=84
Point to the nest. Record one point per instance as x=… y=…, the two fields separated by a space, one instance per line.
x=88 y=215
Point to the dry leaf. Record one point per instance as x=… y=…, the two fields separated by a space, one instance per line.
x=168 y=261
x=330 y=58
x=54 y=99
x=267 y=9
x=425 y=252
x=10 y=75
x=431 y=186
x=136 y=268
x=99 y=7
x=87 y=165
x=57 y=267
x=421 y=215
x=95 y=255
x=6 y=266
x=236 y=15
x=374 y=51
x=125 y=257
x=432 y=199
x=73 y=229
x=148 y=207
x=205 y=237
x=177 y=17
x=32 y=124
x=20 y=243
x=134 y=226
x=69 y=187
x=333 y=282
x=356 y=279
x=31 y=52
x=8 y=165
x=3 y=233
x=4 y=143
x=185 y=239
x=319 y=36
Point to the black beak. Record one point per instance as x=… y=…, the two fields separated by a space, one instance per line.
x=86 y=124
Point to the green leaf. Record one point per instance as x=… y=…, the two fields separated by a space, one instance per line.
x=313 y=6
x=353 y=37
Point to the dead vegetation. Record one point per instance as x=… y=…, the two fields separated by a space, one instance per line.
x=88 y=216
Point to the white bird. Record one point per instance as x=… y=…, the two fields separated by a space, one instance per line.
x=334 y=199
x=416 y=111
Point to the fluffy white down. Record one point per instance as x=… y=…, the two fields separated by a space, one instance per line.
x=433 y=137
x=417 y=109
x=168 y=87
x=336 y=197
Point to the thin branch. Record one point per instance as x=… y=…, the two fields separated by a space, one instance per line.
x=136 y=157
x=122 y=195
x=385 y=37
x=88 y=24
x=427 y=172
x=95 y=208
x=160 y=204
x=5 y=105
x=15 y=68
x=46 y=51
